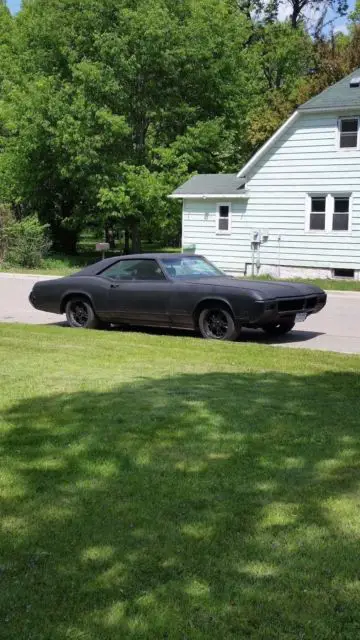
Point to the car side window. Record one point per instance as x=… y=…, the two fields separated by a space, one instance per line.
x=126 y=270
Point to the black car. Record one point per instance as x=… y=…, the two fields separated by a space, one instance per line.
x=175 y=290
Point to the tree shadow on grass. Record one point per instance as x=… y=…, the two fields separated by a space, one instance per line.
x=198 y=506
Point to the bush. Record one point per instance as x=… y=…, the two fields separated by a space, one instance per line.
x=23 y=242
x=6 y=219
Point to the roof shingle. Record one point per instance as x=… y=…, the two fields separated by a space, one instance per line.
x=338 y=96
x=211 y=183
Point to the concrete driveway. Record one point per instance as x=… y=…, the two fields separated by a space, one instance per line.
x=336 y=328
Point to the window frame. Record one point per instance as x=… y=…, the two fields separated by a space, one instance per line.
x=218 y=217
x=310 y=212
x=348 y=213
x=102 y=274
x=329 y=212
x=347 y=149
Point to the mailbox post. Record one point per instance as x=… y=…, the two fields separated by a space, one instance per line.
x=102 y=246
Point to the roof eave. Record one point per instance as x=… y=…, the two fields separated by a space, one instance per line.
x=205 y=196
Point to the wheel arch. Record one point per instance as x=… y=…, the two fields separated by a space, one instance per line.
x=210 y=302
x=74 y=294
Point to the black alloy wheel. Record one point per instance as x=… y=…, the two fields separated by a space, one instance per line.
x=80 y=314
x=217 y=323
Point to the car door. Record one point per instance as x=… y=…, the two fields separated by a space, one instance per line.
x=138 y=292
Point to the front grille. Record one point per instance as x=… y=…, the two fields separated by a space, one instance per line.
x=291 y=305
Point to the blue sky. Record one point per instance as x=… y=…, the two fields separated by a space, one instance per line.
x=342 y=21
x=14 y=6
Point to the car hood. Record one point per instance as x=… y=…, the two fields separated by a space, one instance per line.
x=267 y=288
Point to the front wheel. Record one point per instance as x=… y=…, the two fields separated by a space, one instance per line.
x=279 y=328
x=80 y=314
x=216 y=323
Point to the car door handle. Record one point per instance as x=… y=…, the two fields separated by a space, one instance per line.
x=114 y=286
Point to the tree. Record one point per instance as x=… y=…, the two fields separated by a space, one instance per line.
x=280 y=59
x=300 y=8
x=87 y=107
x=300 y=13
x=107 y=105
x=6 y=25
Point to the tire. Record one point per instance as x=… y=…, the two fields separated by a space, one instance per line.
x=81 y=315
x=279 y=328
x=217 y=323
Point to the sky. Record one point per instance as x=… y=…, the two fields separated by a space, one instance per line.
x=14 y=5
x=339 y=24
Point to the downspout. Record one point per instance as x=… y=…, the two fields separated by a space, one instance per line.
x=182 y=226
x=279 y=256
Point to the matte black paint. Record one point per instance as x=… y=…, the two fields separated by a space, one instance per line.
x=176 y=302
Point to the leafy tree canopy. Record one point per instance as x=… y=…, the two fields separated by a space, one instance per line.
x=107 y=105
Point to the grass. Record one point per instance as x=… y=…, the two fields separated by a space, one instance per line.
x=63 y=265
x=54 y=265
x=335 y=285
x=157 y=487
x=323 y=283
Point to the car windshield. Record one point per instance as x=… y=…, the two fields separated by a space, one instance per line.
x=183 y=267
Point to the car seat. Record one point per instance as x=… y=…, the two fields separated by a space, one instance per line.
x=148 y=270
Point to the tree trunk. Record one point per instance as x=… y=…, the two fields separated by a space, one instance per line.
x=295 y=15
x=135 y=237
x=109 y=237
x=127 y=242
x=64 y=240
x=65 y=237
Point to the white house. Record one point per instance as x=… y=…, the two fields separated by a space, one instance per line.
x=294 y=208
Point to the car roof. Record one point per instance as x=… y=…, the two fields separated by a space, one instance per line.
x=101 y=265
x=156 y=256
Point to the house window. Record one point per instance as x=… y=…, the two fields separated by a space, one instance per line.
x=223 y=218
x=340 y=220
x=343 y=273
x=317 y=213
x=348 y=133
x=329 y=213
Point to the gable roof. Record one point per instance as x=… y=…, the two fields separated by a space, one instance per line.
x=338 y=96
x=212 y=185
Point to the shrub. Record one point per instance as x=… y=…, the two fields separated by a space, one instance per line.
x=6 y=219
x=24 y=241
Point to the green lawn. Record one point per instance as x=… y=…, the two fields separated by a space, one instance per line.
x=55 y=265
x=325 y=283
x=161 y=487
x=63 y=265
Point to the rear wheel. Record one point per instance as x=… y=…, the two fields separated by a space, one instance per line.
x=81 y=315
x=217 y=323
x=279 y=328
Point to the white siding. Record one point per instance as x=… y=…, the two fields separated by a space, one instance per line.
x=304 y=160
x=228 y=251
